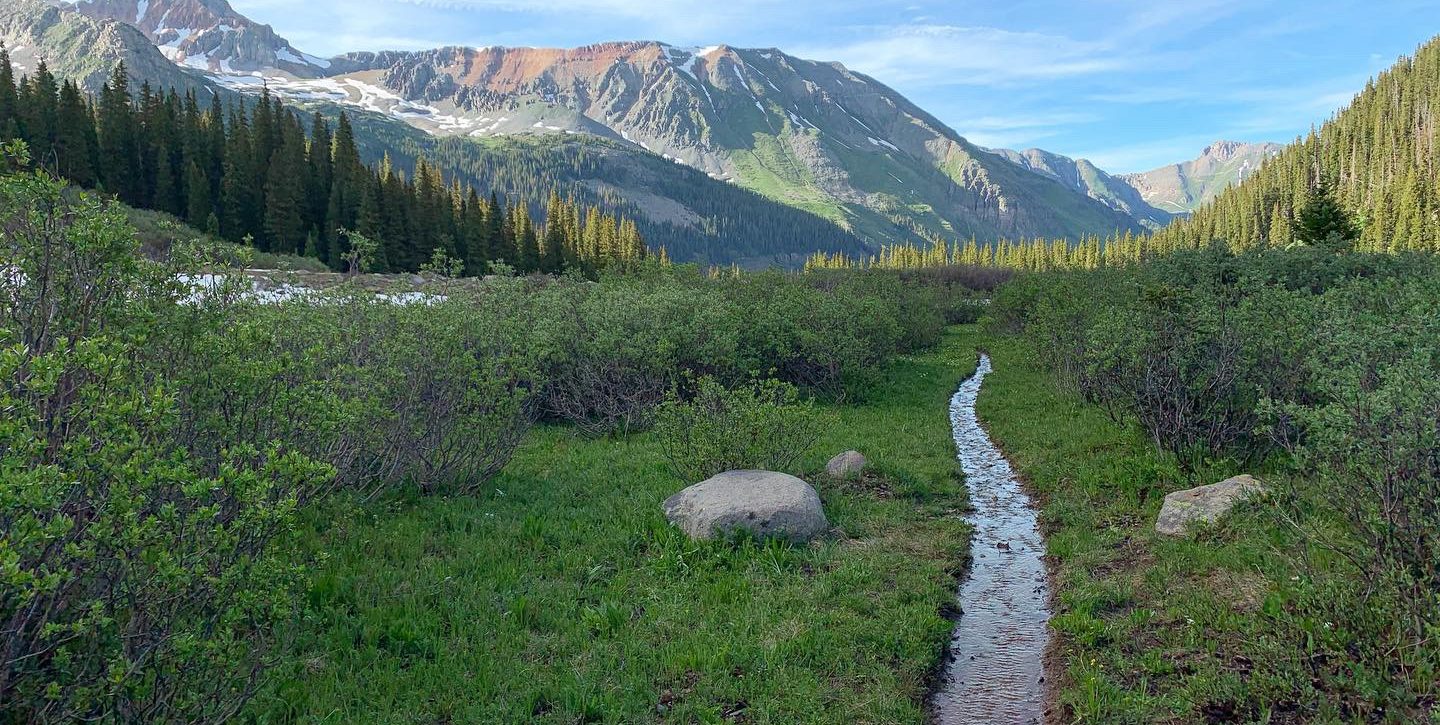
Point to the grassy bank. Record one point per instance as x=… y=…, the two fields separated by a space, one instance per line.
x=1152 y=629
x=562 y=595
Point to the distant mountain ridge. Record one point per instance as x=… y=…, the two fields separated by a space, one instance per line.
x=1086 y=178
x=84 y=49
x=1184 y=187
x=811 y=135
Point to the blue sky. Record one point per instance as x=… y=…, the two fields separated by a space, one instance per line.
x=1128 y=84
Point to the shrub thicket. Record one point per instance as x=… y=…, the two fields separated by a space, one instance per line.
x=135 y=578
x=162 y=424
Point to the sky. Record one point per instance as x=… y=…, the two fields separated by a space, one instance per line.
x=1129 y=84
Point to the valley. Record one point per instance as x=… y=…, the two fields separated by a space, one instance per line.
x=811 y=136
x=645 y=383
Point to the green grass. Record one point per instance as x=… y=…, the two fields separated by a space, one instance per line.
x=1152 y=629
x=562 y=595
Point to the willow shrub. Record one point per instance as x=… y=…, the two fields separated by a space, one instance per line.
x=764 y=425
x=611 y=350
x=136 y=580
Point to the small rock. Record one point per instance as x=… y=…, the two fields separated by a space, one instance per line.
x=765 y=503
x=846 y=464
x=1204 y=503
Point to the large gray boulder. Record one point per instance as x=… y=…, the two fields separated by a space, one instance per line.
x=766 y=504
x=1206 y=504
x=845 y=465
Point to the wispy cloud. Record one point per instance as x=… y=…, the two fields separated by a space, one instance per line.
x=949 y=55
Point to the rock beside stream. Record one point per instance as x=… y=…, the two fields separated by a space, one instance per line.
x=1206 y=504
x=764 y=503
x=846 y=464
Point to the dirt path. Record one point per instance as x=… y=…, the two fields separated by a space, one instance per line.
x=996 y=669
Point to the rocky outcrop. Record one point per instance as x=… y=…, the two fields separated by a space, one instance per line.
x=1204 y=504
x=763 y=503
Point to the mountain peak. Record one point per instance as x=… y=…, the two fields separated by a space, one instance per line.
x=1181 y=188
x=206 y=35
x=809 y=134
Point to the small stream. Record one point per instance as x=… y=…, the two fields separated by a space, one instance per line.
x=996 y=667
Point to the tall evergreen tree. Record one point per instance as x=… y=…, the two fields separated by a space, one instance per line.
x=75 y=142
x=9 y=98
x=119 y=159
x=1322 y=222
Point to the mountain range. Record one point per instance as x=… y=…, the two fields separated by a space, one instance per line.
x=812 y=136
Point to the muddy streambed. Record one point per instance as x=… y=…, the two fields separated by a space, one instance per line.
x=995 y=670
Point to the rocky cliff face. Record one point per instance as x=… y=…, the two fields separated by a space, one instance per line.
x=206 y=34
x=1182 y=188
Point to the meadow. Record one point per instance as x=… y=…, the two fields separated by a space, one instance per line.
x=224 y=502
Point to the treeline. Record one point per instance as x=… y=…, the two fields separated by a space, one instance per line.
x=1035 y=255
x=264 y=175
x=1379 y=154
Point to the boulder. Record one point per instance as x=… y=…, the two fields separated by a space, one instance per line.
x=1204 y=503
x=846 y=464
x=763 y=503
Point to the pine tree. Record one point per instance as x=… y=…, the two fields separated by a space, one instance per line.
x=199 y=207
x=285 y=196
x=119 y=161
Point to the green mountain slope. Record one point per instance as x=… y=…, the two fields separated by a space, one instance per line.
x=813 y=136
x=696 y=218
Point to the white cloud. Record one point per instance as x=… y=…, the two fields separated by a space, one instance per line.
x=921 y=56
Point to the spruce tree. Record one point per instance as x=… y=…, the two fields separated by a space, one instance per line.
x=1322 y=222
x=198 y=204
x=119 y=162
x=9 y=100
x=75 y=142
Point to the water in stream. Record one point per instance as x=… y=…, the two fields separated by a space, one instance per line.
x=996 y=667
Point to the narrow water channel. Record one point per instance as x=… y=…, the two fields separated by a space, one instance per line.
x=996 y=667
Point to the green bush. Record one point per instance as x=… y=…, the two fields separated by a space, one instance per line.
x=1322 y=365
x=432 y=394
x=1366 y=497
x=763 y=426
x=135 y=584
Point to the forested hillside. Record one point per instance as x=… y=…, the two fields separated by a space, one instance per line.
x=265 y=176
x=694 y=217
x=1379 y=154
